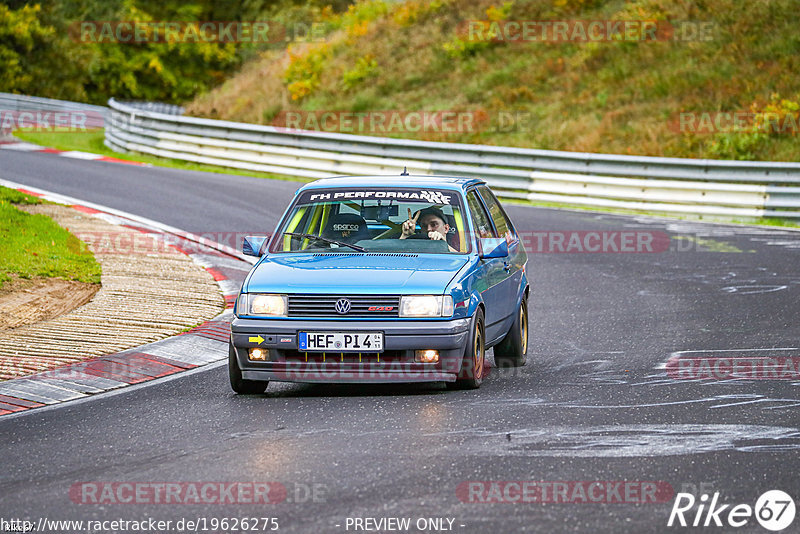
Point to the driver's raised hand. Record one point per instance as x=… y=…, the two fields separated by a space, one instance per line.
x=409 y=226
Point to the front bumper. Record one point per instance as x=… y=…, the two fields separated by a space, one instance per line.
x=396 y=364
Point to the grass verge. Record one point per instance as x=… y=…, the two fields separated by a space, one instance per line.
x=35 y=246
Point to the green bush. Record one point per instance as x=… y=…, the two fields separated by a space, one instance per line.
x=366 y=67
x=776 y=119
x=461 y=46
x=304 y=70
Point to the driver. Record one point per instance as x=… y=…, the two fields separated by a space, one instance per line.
x=433 y=223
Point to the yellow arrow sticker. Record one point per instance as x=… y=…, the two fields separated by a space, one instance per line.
x=256 y=339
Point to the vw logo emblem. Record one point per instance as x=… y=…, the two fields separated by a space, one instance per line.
x=342 y=306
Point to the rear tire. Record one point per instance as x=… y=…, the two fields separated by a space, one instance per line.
x=473 y=364
x=239 y=384
x=512 y=351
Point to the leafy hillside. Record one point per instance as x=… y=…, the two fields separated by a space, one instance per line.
x=608 y=96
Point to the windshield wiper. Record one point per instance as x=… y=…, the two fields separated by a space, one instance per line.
x=325 y=239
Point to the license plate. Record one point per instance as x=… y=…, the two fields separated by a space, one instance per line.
x=340 y=341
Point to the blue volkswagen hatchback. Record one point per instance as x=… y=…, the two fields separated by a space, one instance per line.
x=382 y=279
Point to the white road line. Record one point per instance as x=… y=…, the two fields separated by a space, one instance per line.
x=22 y=147
x=80 y=155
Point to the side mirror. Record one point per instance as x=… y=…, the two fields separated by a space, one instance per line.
x=252 y=245
x=494 y=247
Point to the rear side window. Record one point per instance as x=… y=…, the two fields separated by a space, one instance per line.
x=499 y=217
x=479 y=216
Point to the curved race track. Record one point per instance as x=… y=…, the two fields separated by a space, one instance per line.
x=593 y=404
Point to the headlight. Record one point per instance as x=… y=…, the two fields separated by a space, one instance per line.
x=426 y=306
x=263 y=305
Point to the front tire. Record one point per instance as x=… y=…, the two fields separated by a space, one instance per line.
x=474 y=362
x=512 y=351
x=239 y=384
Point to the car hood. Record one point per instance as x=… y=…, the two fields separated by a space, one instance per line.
x=375 y=273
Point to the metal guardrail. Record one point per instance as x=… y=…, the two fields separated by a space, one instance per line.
x=94 y=115
x=673 y=185
x=157 y=107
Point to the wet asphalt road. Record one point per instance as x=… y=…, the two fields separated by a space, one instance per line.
x=594 y=402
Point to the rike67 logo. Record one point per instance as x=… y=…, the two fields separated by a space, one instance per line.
x=774 y=510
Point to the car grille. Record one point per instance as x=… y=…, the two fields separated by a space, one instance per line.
x=325 y=305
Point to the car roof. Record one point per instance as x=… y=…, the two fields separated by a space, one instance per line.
x=394 y=180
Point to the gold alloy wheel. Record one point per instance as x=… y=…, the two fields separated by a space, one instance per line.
x=479 y=351
x=523 y=327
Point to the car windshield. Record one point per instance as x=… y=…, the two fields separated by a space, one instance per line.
x=390 y=220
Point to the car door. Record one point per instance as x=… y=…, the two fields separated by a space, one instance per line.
x=490 y=273
x=512 y=265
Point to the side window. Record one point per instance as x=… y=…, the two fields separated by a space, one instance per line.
x=500 y=219
x=479 y=216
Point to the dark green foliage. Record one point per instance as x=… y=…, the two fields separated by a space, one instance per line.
x=42 y=52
